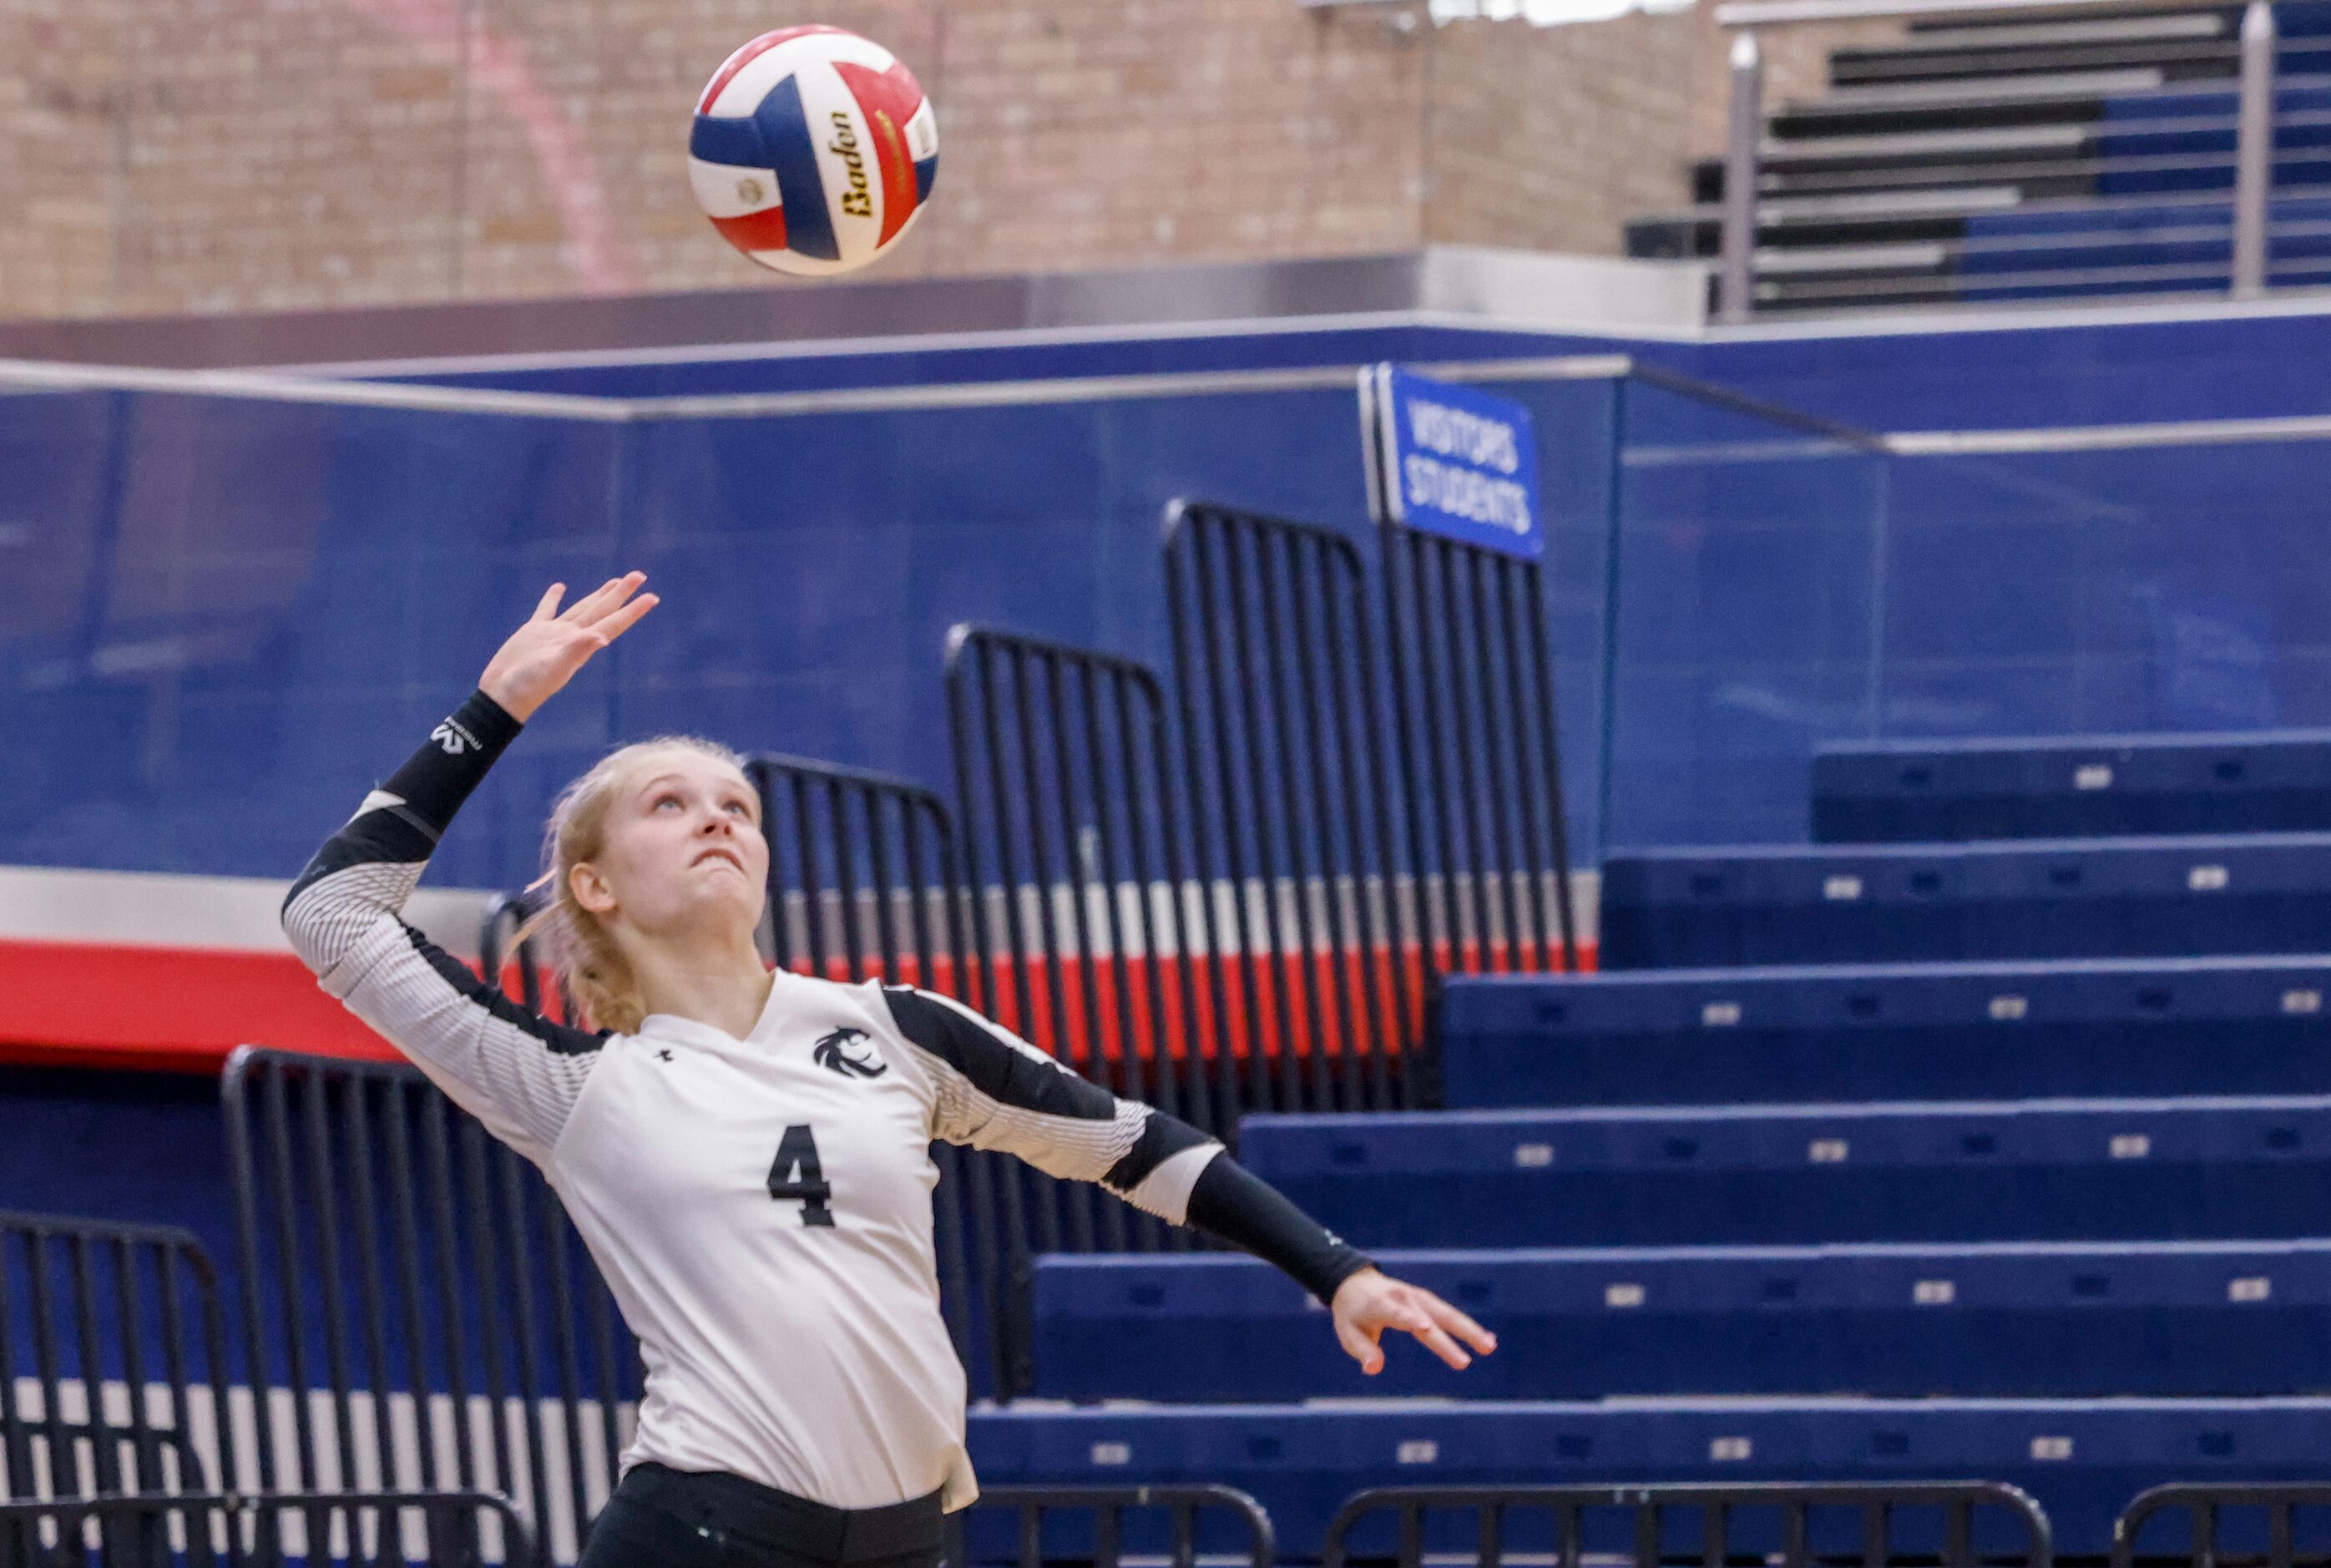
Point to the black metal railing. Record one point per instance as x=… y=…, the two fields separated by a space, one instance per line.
x=1292 y=817
x=1085 y=938
x=861 y=878
x=362 y=1529
x=1081 y=939
x=1102 y=1525
x=2277 y=1546
x=1780 y=1524
x=1472 y=668
x=118 y=1388
x=516 y=961
x=397 y=1257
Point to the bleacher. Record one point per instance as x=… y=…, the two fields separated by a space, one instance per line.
x=2070 y=787
x=2084 y=1459
x=2153 y=898
x=2049 y=1217
x=2178 y=1170
x=1947 y=1031
x=2074 y=1319
x=2033 y=157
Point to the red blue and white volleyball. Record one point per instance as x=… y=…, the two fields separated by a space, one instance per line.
x=814 y=150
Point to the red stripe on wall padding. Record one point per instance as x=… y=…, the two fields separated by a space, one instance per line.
x=184 y=1009
x=165 y=1009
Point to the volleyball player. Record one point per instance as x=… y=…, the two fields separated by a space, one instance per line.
x=746 y=1153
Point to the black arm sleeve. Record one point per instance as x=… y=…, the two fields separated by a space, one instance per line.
x=453 y=761
x=400 y=823
x=1233 y=1205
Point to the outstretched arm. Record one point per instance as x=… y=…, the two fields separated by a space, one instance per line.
x=517 y=1072
x=996 y=1091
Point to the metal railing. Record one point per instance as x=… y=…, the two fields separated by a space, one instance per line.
x=522 y=959
x=861 y=875
x=1282 y=736
x=410 y=1268
x=1104 y=1524
x=2207 y=1502
x=362 y=1529
x=1874 y=1508
x=1073 y=836
x=1470 y=659
x=111 y=1309
x=1736 y=270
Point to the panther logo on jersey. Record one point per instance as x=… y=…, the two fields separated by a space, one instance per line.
x=832 y=1053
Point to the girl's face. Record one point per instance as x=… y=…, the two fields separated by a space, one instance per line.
x=682 y=849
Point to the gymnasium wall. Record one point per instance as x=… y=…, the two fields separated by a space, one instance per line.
x=188 y=156
x=234 y=616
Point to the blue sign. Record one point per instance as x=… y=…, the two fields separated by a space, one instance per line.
x=1450 y=461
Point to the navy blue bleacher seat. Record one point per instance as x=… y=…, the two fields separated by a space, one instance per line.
x=2008 y=1319
x=2052 y=899
x=2078 y=786
x=2083 y=1460
x=1940 y=1031
x=2157 y=1170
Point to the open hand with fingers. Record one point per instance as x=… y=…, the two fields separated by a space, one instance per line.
x=542 y=655
x=1372 y=1301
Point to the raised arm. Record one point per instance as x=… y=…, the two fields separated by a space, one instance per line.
x=517 y=1072
x=996 y=1091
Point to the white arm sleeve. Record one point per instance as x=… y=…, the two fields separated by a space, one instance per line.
x=517 y=1073
x=996 y=1091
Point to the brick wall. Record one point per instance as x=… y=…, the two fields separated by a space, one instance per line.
x=1550 y=138
x=160 y=155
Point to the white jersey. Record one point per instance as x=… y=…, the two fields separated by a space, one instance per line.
x=761 y=1208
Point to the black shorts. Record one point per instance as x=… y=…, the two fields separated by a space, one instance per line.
x=665 y=1519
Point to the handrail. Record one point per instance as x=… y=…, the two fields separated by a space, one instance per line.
x=1735 y=275
x=1107 y=1505
x=1026 y=392
x=1876 y=1499
x=2206 y=1499
x=1785 y=13
x=137 y=1513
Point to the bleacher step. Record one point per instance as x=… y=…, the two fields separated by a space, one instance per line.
x=1996 y=1319
x=2176 y=59
x=1688 y=908
x=2082 y=1459
x=2112 y=30
x=2194 y=1169
x=1917 y=1032
x=2072 y=786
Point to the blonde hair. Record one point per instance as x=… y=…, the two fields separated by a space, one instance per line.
x=584 y=953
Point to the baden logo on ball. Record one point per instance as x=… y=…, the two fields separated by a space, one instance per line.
x=813 y=202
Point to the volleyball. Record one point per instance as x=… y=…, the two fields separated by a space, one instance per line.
x=814 y=150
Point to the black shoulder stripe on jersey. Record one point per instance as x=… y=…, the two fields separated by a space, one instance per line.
x=1162 y=1138
x=995 y=1068
x=557 y=1037
x=375 y=838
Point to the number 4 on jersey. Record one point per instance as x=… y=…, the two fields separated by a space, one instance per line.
x=797 y=1174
